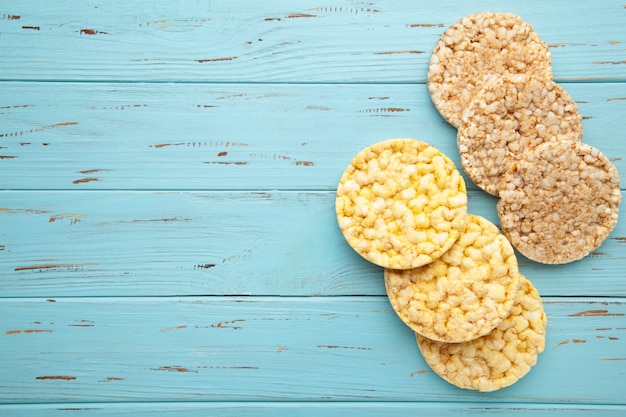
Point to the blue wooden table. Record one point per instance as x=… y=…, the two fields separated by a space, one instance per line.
x=168 y=242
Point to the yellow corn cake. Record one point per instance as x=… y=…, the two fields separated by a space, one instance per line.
x=498 y=359
x=465 y=293
x=401 y=203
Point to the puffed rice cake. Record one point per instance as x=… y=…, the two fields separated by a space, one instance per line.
x=401 y=203
x=498 y=359
x=474 y=50
x=508 y=116
x=559 y=202
x=462 y=295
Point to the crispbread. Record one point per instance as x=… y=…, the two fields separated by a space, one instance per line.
x=499 y=358
x=473 y=50
x=465 y=293
x=401 y=203
x=559 y=202
x=508 y=116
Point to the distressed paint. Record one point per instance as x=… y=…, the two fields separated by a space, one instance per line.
x=282 y=42
x=311 y=132
x=313 y=409
x=215 y=243
x=287 y=348
x=168 y=244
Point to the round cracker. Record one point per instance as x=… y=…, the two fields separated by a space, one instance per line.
x=499 y=359
x=474 y=50
x=509 y=115
x=401 y=203
x=465 y=293
x=560 y=202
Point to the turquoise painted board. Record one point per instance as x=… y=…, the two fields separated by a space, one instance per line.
x=168 y=244
x=309 y=409
x=233 y=136
x=214 y=243
x=282 y=41
x=278 y=349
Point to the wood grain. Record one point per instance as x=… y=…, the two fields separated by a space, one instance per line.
x=87 y=243
x=295 y=349
x=310 y=409
x=341 y=41
x=168 y=244
x=228 y=137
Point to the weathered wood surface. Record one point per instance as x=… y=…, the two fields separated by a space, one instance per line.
x=282 y=41
x=168 y=244
x=129 y=243
x=308 y=408
x=276 y=349
x=232 y=136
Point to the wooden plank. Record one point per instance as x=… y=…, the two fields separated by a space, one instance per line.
x=308 y=409
x=155 y=160
x=213 y=243
x=279 y=41
x=266 y=137
x=278 y=349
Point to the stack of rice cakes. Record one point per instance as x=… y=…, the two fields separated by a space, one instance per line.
x=451 y=276
x=520 y=138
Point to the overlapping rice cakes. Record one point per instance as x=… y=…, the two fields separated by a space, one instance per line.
x=507 y=117
x=559 y=202
x=498 y=359
x=465 y=293
x=401 y=203
x=474 y=50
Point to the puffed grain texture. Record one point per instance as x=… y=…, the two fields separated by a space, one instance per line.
x=560 y=202
x=474 y=50
x=401 y=203
x=508 y=116
x=498 y=359
x=462 y=295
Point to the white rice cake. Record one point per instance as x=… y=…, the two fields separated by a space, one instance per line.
x=559 y=202
x=474 y=50
x=508 y=116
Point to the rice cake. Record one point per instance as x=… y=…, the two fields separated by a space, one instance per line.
x=500 y=358
x=401 y=203
x=462 y=295
x=560 y=202
x=474 y=50
x=509 y=115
